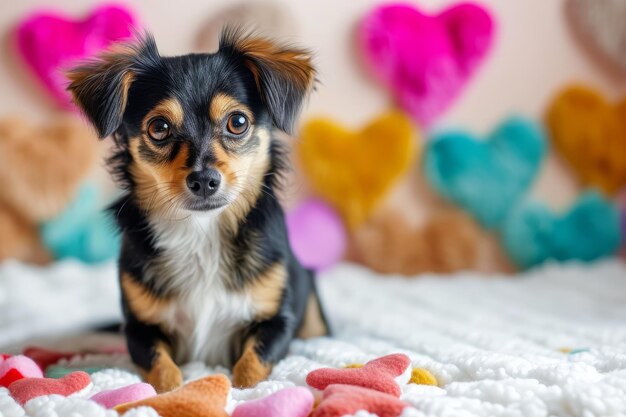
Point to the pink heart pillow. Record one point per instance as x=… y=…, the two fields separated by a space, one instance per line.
x=288 y=402
x=14 y=368
x=26 y=389
x=50 y=42
x=425 y=60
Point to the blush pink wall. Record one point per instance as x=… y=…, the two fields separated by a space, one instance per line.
x=534 y=55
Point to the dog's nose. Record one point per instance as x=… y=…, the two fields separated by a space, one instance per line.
x=204 y=183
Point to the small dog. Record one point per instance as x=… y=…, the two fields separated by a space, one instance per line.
x=206 y=269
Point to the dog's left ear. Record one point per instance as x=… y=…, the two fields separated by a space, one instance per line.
x=284 y=75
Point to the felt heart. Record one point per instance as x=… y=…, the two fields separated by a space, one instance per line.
x=28 y=388
x=316 y=234
x=50 y=42
x=590 y=134
x=342 y=400
x=488 y=177
x=533 y=234
x=288 y=402
x=387 y=243
x=128 y=394
x=353 y=171
x=205 y=397
x=14 y=368
x=381 y=374
x=425 y=60
x=599 y=26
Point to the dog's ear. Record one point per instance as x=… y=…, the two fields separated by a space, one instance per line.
x=284 y=75
x=100 y=86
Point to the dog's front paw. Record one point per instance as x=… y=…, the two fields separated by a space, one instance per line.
x=250 y=370
x=165 y=375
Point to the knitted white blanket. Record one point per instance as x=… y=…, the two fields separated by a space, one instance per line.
x=496 y=346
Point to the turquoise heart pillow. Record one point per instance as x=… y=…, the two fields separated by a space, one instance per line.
x=533 y=234
x=84 y=231
x=486 y=177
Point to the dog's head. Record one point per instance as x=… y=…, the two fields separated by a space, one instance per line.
x=194 y=130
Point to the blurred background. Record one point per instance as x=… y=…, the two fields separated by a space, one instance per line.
x=442 y=136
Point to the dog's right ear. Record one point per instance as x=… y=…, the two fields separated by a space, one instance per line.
x=100 y=86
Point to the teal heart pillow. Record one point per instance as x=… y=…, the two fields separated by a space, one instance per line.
x=486 y=177
x=590 y=230
x=83 y=231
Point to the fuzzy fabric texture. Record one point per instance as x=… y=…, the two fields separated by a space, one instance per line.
x=50 y=42
x=205 y=397
x=486 y=178
x=26 y=389
x=288 y=402
x=387 y=243
x=32 y=164
x=590 y=134
x=425 y=61
x=550 y=342
x=316 y=234
x=338 y=162
x=379 y=374
x=599 y=27
x=533 y=233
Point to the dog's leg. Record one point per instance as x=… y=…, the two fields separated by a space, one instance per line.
x=150 y=352
x=266 y=344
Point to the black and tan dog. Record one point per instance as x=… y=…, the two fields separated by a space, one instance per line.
x=206 y=269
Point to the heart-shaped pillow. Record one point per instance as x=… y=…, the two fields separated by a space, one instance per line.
x=130 y=393
x=533 y=234
x=288 y=402
x=382 y=374
x=599 y=26
x=50 y=42
x=353 y=171
x=14 y=368
x=486 y=178
x=28 y=388
x=590 y=134
x=342 y=400
x=316 y=234
x=425 y=60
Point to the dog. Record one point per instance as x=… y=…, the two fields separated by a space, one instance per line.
x=206 y=270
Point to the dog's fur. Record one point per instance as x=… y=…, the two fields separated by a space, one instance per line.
x=204 y=278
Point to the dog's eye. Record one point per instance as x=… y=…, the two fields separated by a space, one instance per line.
x=237 y=124
x=159 y=129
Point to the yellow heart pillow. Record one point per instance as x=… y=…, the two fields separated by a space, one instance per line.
x=354 y=170
x=590 y=134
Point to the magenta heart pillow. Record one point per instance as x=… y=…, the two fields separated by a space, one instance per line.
x=50 y=42
x=425 y=60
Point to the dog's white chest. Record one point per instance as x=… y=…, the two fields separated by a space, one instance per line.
x=205 y=316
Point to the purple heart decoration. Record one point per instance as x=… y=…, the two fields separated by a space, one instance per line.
x=316 y=234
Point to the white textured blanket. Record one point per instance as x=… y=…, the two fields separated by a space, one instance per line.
x=497 y=346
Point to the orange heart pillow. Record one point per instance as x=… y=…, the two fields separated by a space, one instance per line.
x=590 y=134
x=354 y=170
